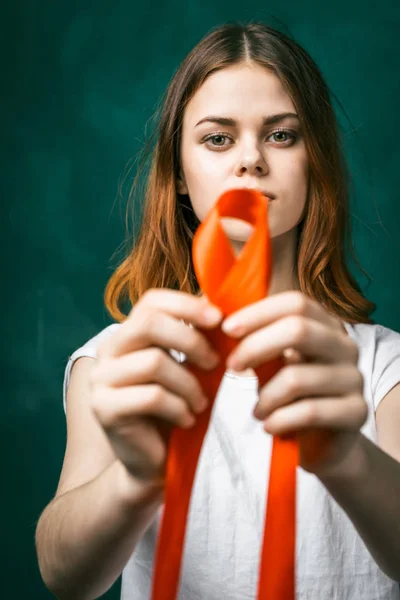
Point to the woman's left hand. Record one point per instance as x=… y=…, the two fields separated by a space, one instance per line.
x=319 y=399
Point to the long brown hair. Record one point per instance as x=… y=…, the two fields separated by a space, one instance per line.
x=161 y=255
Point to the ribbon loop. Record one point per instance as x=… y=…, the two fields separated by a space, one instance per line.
x=231 y=283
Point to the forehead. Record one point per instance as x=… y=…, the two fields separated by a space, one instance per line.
x=238 y=91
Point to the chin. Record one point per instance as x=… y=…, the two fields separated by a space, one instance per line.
x=236 y=229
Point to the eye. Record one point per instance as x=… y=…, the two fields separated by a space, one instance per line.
x=287 y=133
x=217 y=139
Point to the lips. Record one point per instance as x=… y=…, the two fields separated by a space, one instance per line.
x=265 y=193
x=268 y=195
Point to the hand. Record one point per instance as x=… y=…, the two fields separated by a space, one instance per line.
x=321 y=399
x=138 y=391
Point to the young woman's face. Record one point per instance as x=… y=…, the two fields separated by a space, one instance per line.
x=238 y=149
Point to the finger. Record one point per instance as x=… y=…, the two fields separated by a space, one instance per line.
x=161 y=330
x=298 y=381
x=314 y=340
x=270 y=309
x=118 y=407
x=178 y=305
x=151 y=365
x=347 y=413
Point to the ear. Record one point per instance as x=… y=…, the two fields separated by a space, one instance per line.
x=181 y=186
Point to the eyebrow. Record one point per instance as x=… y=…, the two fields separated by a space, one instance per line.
x=271 y=120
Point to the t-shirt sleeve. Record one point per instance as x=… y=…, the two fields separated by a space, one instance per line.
x=86 y=350
x=386 y=371
x=90 y=349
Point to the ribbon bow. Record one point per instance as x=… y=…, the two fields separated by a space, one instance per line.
x=230 y=283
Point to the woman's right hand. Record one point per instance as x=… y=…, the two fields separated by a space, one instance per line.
x=138 y=391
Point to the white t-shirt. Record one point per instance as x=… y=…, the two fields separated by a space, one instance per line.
x=226 y=517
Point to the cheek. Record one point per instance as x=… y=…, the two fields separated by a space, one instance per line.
x=296 y=177
x=298 y=193
x=293 y=178
x=206 y=168
x=205 y=178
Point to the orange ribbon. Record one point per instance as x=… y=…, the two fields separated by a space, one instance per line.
x=230 y=283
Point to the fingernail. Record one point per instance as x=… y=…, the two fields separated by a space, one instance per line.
x=210 y=360
x=214 y=359
x=233 y=363
x=232 y=327
x=190 y=420
x=212 y=314
x=256 y=412
x=202 y=405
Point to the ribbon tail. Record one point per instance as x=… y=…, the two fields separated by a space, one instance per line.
x=183 y=453
x=277 y=568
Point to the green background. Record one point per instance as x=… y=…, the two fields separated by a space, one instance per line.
x=80 y=82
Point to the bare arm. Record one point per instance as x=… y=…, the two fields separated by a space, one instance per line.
x=367 y=487
x=85 y=536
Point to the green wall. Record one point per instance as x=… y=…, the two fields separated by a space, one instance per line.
x=80 y=81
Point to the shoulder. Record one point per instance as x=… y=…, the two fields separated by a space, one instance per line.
x=379 y=357
x=90 y=346
x=373 y=336
x=91 y=343
x=87 y=349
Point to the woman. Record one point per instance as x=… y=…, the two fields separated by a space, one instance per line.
x=247 y=108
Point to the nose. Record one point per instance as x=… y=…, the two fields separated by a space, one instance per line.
x=251 y=163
